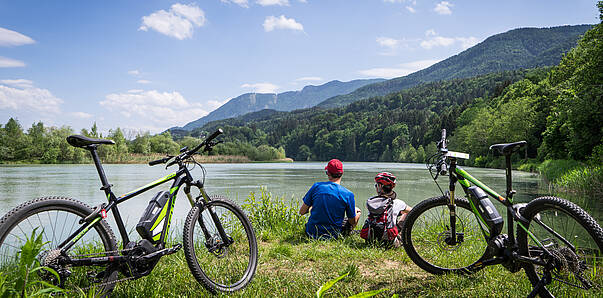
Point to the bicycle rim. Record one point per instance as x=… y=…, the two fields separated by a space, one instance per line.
x=578 y=260
x=55 y=222
x=427 y=229
x=224 y=268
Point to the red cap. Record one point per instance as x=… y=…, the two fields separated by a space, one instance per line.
x=334 y=166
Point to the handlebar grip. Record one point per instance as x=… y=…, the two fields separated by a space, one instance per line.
x=159 y=161
x=443 y=140
x=214 y=135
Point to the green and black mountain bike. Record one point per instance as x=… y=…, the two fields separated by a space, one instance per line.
x=557 y=243
x=219 y=241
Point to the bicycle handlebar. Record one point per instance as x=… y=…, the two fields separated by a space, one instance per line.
x=186 y=154
x=206 y=141
x=159 y=161
x=442 y=143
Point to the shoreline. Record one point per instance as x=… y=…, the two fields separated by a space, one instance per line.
x=144 y=159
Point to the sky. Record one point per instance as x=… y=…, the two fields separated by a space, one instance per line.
x=147 y=65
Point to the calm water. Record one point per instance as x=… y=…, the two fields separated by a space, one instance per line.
x=291 y=180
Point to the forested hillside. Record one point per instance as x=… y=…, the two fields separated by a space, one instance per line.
x=395 y=127
x=515 y=49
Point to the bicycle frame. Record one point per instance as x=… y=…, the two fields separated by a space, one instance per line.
x=458 y=174
x=179 y=178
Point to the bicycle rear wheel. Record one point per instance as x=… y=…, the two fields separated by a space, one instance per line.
x=56 y=218
x=574 y=239
x=216 y=265
x=425 y=232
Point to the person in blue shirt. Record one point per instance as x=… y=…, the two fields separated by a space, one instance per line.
x=329 y=203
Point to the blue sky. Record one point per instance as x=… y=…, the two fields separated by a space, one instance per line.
x=149 y=65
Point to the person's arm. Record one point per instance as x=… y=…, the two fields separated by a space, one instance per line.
x=353 y=212
x=304 y=209
x=354 y=220
x=306 y=202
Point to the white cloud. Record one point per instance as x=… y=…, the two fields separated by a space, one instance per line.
x=411 y=9
x=282 y=22
x=81 y=115
x=134 y=72
x=155 y=109
x=178 y=22
x=19 y=83
x=443 y=8
x=402 y=69
x=135 y=91
x=309 y=79
x=21 y=95
x=437 y=41
x=430 y=32
x=273 y=2
x=242 y=3
x=388 y=42
x=143 y=82
x=261 y=87
x=7 y=62
x=12 y=38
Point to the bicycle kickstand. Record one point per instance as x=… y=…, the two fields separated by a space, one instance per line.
x=545 y=280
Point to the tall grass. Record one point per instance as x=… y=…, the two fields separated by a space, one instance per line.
x=587 y=180
x=551 y=170
x=273 y=216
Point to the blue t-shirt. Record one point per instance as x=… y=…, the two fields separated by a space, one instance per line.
x=330 y=203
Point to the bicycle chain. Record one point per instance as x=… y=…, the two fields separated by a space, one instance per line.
x=105 y=283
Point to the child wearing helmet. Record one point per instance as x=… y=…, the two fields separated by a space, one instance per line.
x=386 y=212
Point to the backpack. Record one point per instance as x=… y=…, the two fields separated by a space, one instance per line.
x=381 y=223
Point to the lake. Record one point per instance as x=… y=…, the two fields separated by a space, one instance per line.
x=291 y=180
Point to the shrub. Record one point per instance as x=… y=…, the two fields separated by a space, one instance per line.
x=272 y=214
x=587 y=180
x=551 y=170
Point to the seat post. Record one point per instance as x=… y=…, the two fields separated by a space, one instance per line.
x=509 y=176
x=99 y=168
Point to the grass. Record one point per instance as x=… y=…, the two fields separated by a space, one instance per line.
x=291 y=265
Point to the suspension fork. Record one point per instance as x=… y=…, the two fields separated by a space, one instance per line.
x=225 y=238
x=451 y=204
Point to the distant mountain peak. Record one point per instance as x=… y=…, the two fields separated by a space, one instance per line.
x=307 y=97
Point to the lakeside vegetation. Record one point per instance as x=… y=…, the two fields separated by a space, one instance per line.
x=42 y=144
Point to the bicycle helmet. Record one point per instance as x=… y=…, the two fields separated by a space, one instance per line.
x=386 y=179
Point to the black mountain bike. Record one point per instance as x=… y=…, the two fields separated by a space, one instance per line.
x=219 y=241
x=557 y=243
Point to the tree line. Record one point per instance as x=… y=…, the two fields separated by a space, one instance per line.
x=42 y=144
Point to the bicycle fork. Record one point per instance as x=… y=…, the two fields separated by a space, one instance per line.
x=452 y=240
x=226 y=240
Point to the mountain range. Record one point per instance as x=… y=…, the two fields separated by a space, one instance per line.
x=308 y=97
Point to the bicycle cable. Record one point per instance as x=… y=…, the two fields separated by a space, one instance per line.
x=431 y=165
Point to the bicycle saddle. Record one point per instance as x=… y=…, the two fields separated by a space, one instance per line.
x=507 y=149
x=82 y=141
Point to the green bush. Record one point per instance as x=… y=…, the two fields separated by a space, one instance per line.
x=551 y=170
x=587 y=180
x=272 y=214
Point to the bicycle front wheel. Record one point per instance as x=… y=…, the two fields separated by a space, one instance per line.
x=426 y=236
x=575 y=241
x=219 y=264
